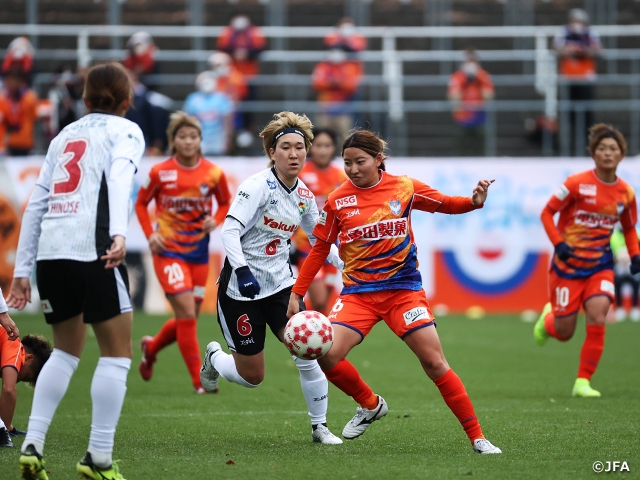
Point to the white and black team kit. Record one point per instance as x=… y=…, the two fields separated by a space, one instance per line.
x=81 y=201
x=261 y=220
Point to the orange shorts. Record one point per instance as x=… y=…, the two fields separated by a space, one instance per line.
x=402 y=310
x=568 y=295
x=177 y=276
x=12 y=352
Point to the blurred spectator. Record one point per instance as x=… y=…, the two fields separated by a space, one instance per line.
x=214 y=109
x=623 y=277
x=230 y=80
x=578 y=46
x=141 y=57
x=19 y=56
x=18 y=113
x=243 y=42
x=150 y=111
x=469 y=88
x=336 y=80
x=345 y=37
x=66 y=98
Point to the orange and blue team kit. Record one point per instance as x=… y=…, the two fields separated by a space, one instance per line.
x=321 y=182
x=373 y=227
x=183 y=198
x=589 y=210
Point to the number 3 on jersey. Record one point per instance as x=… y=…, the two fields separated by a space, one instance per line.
x=72 y=153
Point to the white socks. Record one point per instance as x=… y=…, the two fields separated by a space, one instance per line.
x=226 y=366
x=108 y=389
x=315 y=388
x=51 y=386
x=2 y=424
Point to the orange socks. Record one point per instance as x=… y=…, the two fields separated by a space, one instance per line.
x=591 y=351
x=550 y=327
x=456 y=398
x=189 y=347
x=345 y=376
x=166 y=336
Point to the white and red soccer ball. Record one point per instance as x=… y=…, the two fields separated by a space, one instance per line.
x=308 y=335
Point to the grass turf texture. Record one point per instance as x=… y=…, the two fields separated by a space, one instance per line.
x=521 y=393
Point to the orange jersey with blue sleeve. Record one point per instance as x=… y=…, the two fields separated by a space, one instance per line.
x=183 y=197
x=321 y=182
x=373 y=227
x=589 y=210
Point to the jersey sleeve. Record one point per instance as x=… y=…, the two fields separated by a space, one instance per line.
x=327 y=228
x=250 y=197
x=628 y=220
x=129 y=144
x=223 y=198
x=147 y=192
x=563 y=196
x=425 y=198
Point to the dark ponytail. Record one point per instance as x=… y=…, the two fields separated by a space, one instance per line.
x=107 y=86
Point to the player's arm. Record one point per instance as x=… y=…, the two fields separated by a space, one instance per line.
x=563 y=197
x=628 y=220
x=223 y=198
x=431 y=200
x=308 y=222
x=5 y=320
x=125 y=158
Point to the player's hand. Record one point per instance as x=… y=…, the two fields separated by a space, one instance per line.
x=564 y=251
x=115 y=255
x=635 y=265
x=10 y=326
x=156 y=243
x=208 y=224
x=20 y=293
x=480 y=192
x=294 y=304
x=247 y=283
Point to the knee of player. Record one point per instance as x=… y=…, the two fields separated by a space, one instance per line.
x=253 y=379
x=330 y=360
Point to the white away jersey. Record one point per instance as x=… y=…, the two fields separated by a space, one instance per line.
x=77 y=175
x=270 y=212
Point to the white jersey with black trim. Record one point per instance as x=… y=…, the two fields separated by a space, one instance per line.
x=83 y=194
x=270 y=213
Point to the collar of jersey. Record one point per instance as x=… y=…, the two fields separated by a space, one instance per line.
x=598 y=179
x=282 y=184
x=184 y=167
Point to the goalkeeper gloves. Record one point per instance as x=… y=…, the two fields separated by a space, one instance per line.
x=635 y=265
x=563 y=251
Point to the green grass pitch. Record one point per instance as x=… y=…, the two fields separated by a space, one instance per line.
x=521 y=393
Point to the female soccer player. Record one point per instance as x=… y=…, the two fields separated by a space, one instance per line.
x=182 y=188
x=581 y=275
x=75 y=227
x=322 y=178
x=256 y=279
x=370 y=217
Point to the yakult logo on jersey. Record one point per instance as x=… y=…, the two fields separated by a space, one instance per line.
x=595 y=220
x=588 y=190
x=418 y=313
x=168 y=175
x=379 y=230
x=304 y=193
x=278 y=224
x=562 y=193
x=350 y=201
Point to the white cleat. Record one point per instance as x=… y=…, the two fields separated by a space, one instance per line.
x=323 y=435
x=621 y=315
x=485 y=447
x=634 y=315
x=363 y=418
x=209 y=376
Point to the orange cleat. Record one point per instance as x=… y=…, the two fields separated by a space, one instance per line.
x=146 y=364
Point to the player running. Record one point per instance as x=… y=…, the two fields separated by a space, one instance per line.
x=322 y=178
x=75 y=227
x=581 y=275
x=256 y=279
x=370 y=217
x=182 y=188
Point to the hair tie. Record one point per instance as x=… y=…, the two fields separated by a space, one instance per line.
x=284 y=132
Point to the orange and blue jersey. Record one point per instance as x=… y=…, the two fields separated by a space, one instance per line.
x=183 y=197
x=373 y=227
x=589 y=210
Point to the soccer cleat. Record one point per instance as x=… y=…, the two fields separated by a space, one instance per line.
x=621 y=315
x=209 y=376
x=539 y=332
x=32 y=465
x=634 y=314
x=485 y=447
x=146 y=364
x=323 y=435
x=5 y=438
x=582 y=388
x=88 y=470
x=363 y=418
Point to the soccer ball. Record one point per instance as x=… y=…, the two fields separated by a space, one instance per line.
x=308 y=335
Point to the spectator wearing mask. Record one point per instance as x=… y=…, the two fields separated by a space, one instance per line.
x=345 y=37
x=336 y=80
x=578 y=46
x=18 y=113
x=214 y=110
x=141 y=56
x=243 y=42
x=230 y=80
x=469 y=88
x=19 y=56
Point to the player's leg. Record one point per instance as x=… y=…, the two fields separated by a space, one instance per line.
x=634 y=315
x=184 y=306
x=560 y=316
x=318 y=296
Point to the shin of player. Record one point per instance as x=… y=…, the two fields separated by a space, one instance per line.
x=590 y=203
x=256 y=280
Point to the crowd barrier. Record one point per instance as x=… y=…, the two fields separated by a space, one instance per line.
x=495 y=258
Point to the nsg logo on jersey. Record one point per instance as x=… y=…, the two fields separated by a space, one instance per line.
x=350 y=201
